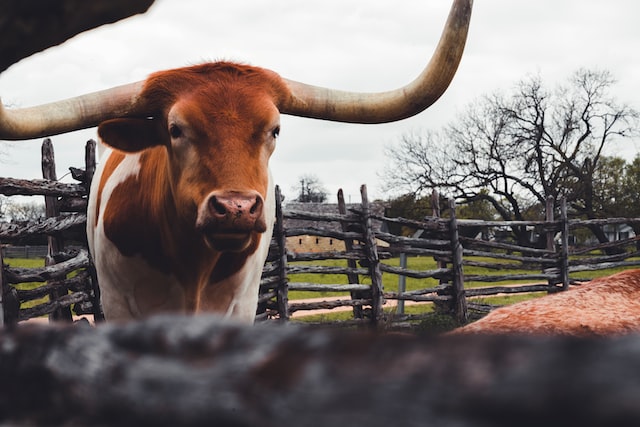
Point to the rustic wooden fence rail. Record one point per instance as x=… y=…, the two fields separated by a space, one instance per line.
x=66 y=279
x=450 y=243
x=469 y=259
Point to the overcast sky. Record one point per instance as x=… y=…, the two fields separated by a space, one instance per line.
x=359 y=45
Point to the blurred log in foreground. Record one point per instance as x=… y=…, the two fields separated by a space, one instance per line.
x=169 y=371
x=30 y=26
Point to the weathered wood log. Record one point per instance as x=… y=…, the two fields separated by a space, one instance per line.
x=13 y=231
x=436 y=289
x=50 y=272
x=555 y=225
x=270 y=268
x=615 y=244
x=604 y=258
x=297 y=286
x=418 y=298
x=495 y=290
x=396 y=250
x=414 y=242
x=603 y=266
x=320 y=269
x=269 y=282
x=39 y=187
x=266 y=296
x=52 y=210
x=576 y=223
x=528 y=263
x=352 y=254
x=509 y=277
x=327 y=305
x=431 y=224
x=64 y=301
x=506 y=246
x=199 y=371
x=73 y=204
x=350 y=245
x=80 y=282
x=322 y=232
x=439 y=273
x=282 y=289
x=318 y=216
x=29 y=26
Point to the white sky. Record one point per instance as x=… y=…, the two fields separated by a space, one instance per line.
x=359 y=45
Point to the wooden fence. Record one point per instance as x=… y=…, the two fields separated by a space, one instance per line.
x=464 y=257
x=454 y=244
x=67 y=279
x=25 y=251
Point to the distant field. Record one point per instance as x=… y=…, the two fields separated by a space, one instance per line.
x=390 y=282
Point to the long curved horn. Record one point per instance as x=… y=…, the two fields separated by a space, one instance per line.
x=71 y=114
x=306 y=101
x=328 y=104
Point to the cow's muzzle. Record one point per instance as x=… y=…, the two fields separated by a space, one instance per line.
x=228 y=218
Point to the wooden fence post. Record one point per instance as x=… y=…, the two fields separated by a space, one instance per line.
x=371 y=252
x=55 y=244
x=89 y=171
x=9 y=302
x=564 y=236
x=459 y=298
x=1 y=288
x=89 y=163
x=402 y=283
x=549 y=217
x=282 y=291
x=351 y=263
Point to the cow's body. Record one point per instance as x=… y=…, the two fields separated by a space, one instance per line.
x=605 y=306
x=147 y=208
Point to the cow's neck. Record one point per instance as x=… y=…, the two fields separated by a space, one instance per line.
x=152 y=229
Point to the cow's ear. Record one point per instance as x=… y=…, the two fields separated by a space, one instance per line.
x=131 y=134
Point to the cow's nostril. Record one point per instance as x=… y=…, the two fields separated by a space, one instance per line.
x=217 y=207
x=254 y=207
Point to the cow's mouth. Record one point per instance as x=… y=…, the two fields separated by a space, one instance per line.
x=229 y=241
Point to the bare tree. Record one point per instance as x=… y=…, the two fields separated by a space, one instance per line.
x=23 y=211
x=3 y=207
x=516 y=150
x=310 y=190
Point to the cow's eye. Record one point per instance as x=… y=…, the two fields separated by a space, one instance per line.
x=175 y=131
x=275 y=132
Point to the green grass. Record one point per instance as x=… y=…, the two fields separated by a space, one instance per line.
x=390 y=283
x=24 y=262
x=28 y=263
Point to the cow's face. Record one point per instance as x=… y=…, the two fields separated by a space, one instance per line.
x=219 y=146
x=218 y=139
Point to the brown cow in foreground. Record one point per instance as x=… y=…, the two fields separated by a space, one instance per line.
x=182 y=206
x=605 y=306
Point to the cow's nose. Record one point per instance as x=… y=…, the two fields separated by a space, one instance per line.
x=236 y=210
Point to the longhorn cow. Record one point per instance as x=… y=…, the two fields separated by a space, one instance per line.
x=181 y=208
